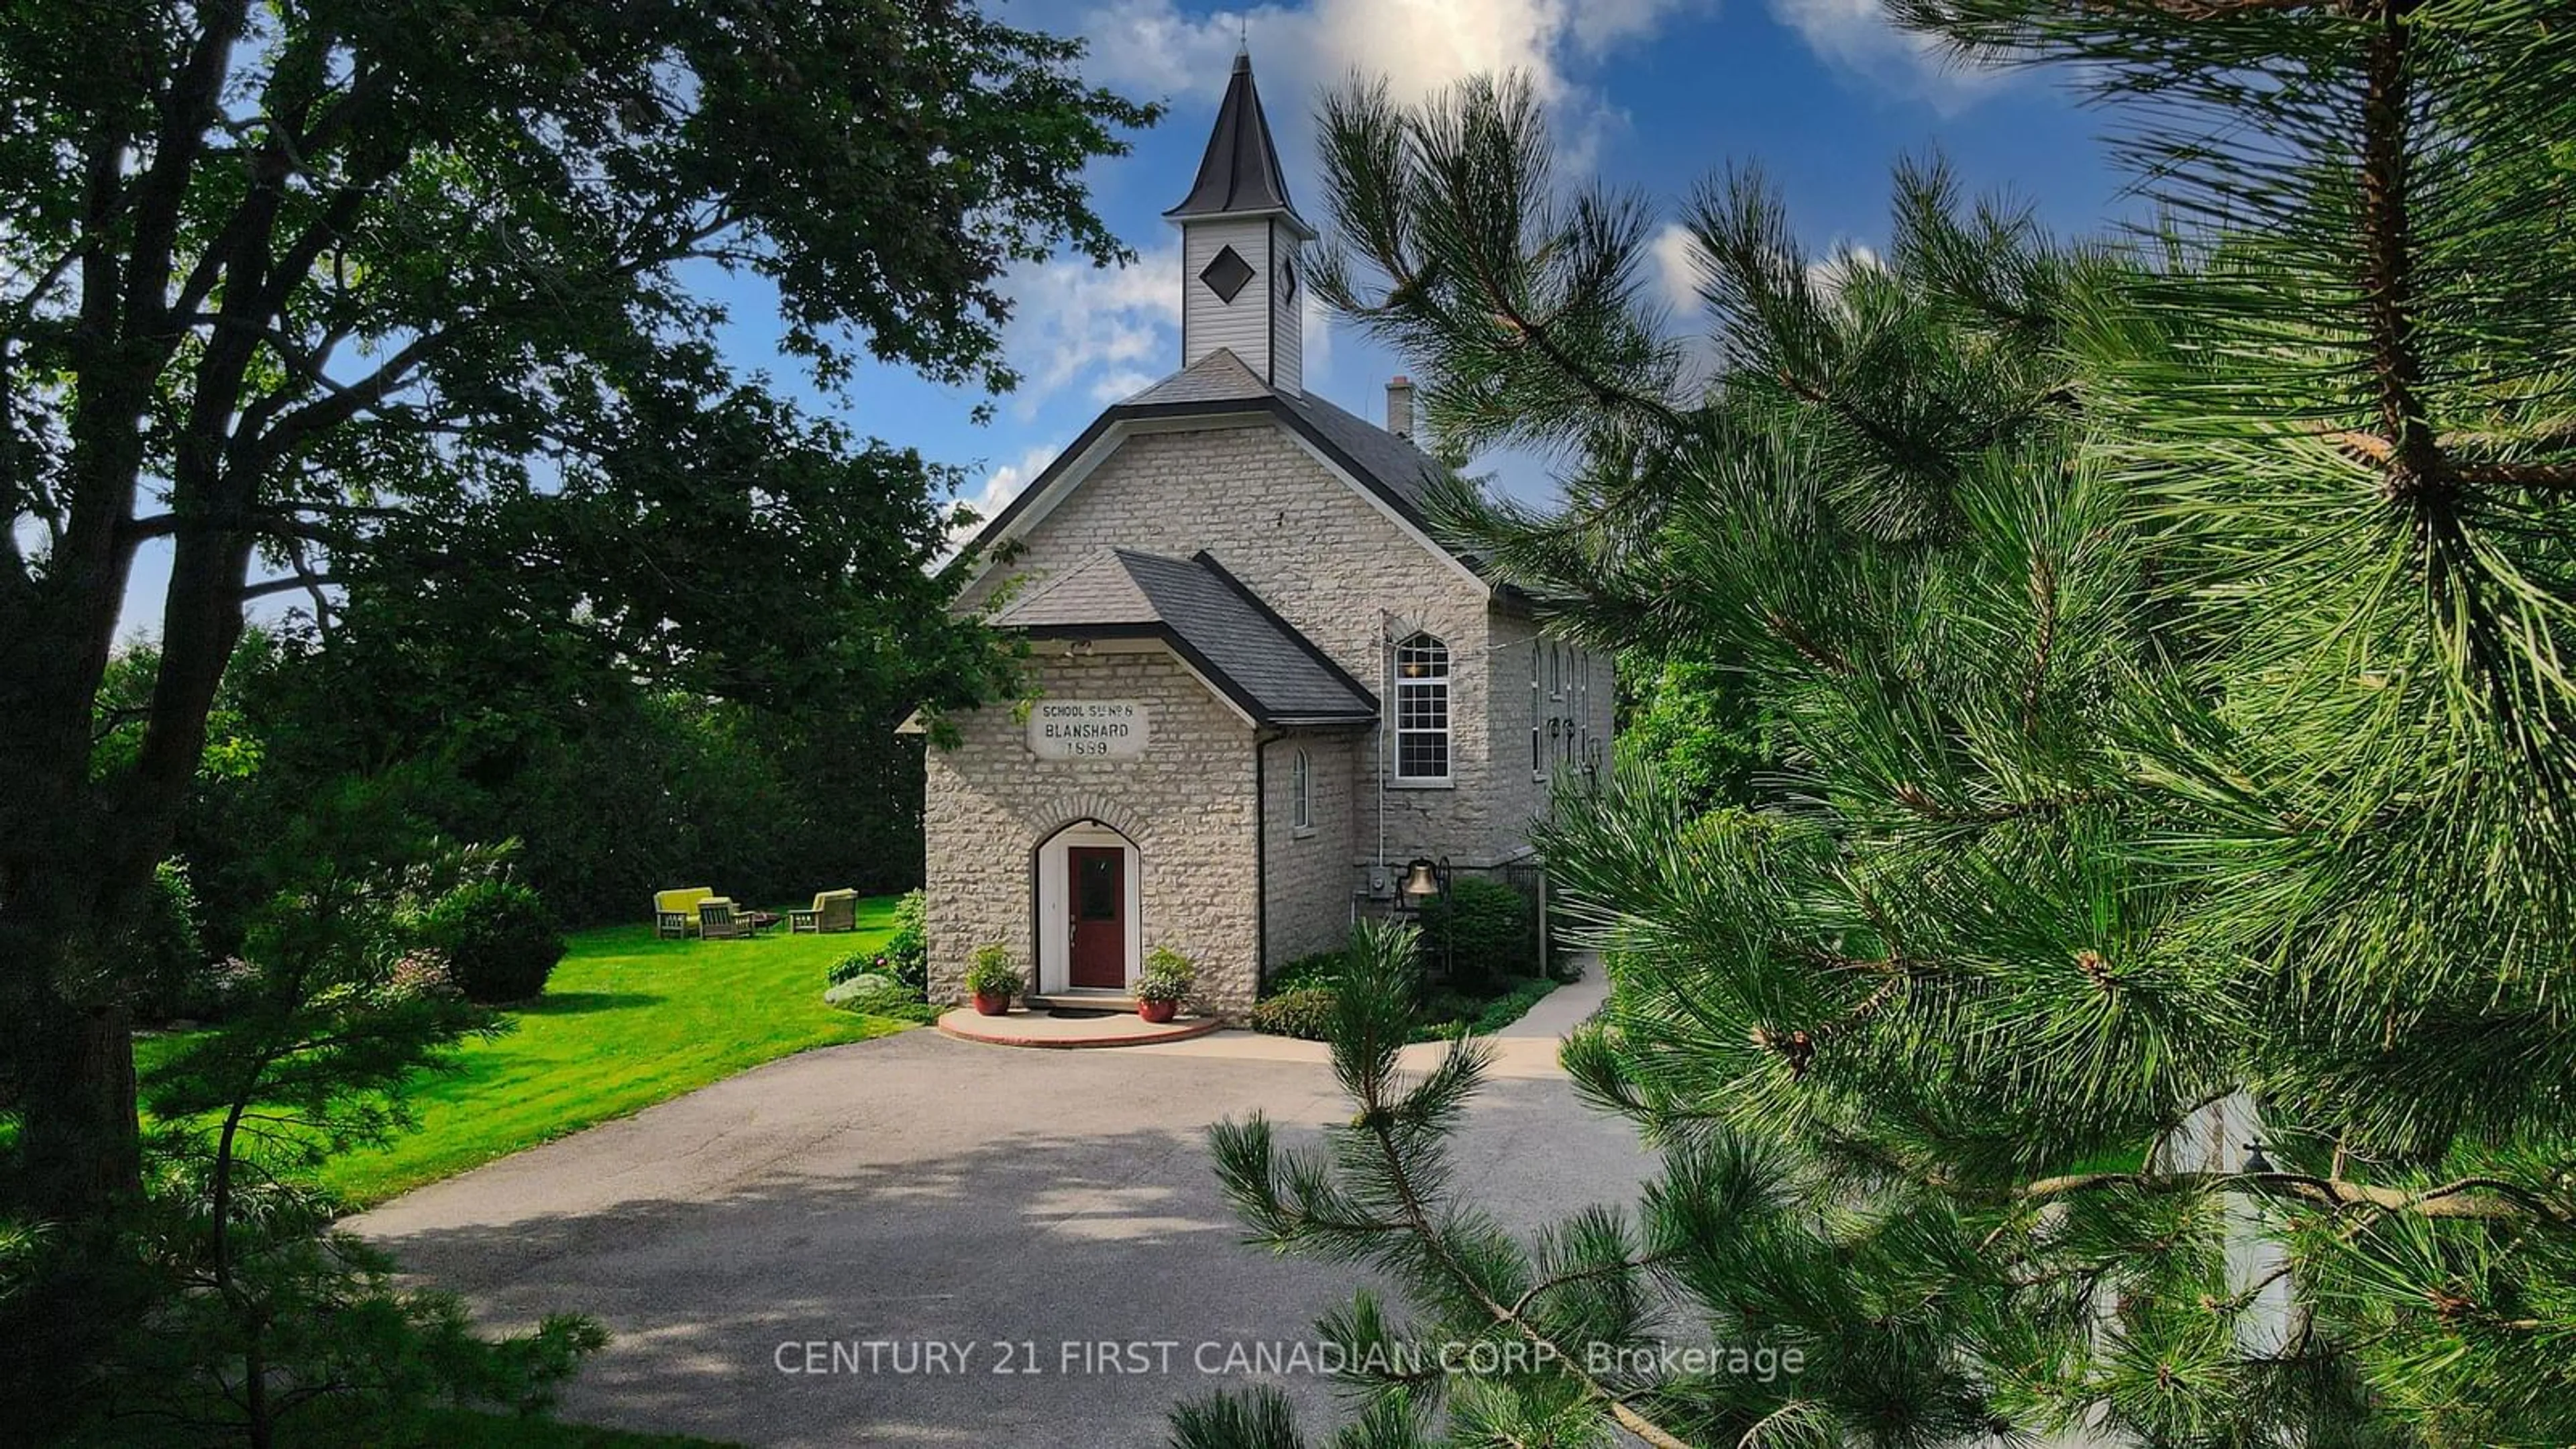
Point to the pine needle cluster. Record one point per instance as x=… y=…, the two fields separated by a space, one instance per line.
x=2174 y=757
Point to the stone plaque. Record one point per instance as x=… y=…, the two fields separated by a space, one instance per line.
x=1087 y=729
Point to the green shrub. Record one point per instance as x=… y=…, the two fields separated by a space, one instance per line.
x=907 y=951
x=872 y=995
x=500 y=940
x=892 y=1002
x=1483 y=932
x=991 y=973
x=866 y=983
x=1320 y=969
x=861 y=963
x=174 y=979
x=1446 y=1004
x=1304 y=1012
x=1168 y=976
x=1486 y=1016
x=896 y=1006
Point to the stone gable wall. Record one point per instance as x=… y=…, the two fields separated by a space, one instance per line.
x=1509 y=682
x=1186 y=804
x=1308 y=873
x=1329 y=562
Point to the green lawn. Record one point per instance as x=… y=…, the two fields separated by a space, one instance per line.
x=627 y=1021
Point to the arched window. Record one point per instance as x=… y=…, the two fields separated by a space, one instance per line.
x=1555 y=671
x=1422 y=709
x=1301 y=791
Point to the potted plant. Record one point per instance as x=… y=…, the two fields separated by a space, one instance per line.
x=1164 y=984
x=992 y=980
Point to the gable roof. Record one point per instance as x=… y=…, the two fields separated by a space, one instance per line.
x=1390 y=469
x=1399 y=471
x=1236 y=642
x=1239 y=175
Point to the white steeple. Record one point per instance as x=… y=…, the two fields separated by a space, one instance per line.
x=1242 y=266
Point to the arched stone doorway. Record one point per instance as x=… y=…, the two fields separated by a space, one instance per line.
x=1090 y=915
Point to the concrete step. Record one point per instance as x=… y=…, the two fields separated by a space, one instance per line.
x=1083 y=1001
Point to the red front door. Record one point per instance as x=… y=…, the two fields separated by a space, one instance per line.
x=1099 y=877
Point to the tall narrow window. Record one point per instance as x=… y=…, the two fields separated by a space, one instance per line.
x=1422 y=709
x=1538 y=716
x=1301 y=791
x=1582 y=705
x=1555 y=671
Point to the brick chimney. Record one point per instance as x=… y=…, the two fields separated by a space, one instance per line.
x=1399 y=406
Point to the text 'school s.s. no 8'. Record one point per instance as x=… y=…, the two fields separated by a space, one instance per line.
x=1074 y=729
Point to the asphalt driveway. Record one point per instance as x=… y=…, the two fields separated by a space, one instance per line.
x=776 y=1253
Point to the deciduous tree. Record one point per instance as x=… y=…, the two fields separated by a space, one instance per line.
x=322 y=291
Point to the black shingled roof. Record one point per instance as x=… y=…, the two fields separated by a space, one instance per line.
x=1240 y=173
x=1257 y=659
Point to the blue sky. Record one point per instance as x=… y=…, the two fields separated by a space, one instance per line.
x=1650 y=94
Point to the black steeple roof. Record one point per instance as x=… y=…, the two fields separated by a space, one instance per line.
x=1240 y=173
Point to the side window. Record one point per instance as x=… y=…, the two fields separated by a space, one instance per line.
x=1301 y=791
x=1582 y=705
x=1538 y=716
x=1422 y=709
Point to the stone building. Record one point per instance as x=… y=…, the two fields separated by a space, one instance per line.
x=1260 y=686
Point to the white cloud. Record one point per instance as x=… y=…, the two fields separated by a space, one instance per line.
x=1074 y=322
x=1856 y=36
x=1676 y=257
x=1001 y=486
x=1418 y=45
x=1828 y=273
x=1155 y=47
x=1317 y=321
x=1108 y=334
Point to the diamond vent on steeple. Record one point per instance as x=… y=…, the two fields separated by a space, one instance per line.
x=1227 y=275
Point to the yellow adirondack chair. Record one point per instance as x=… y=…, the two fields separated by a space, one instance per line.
x=831 y=911
x=675 y=913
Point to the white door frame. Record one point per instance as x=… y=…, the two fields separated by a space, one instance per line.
x=1054 y=909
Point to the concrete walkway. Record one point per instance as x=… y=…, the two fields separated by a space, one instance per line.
x=776 y=1253
x=1091 y=1031
x=1526 y=1048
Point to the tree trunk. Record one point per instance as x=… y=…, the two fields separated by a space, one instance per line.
x=79 y=1143
x=71 y=1037
x=77 y=852
x=74 y=866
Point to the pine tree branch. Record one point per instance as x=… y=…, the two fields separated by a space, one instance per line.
x=2487 y=1198
x=2043 y=599
x=1536 y=333
x=2217 y=9
x=2537 y=476
x=1620 y=1268
x=1894 y=443
x=2239 y=1300
x=1920 y=801
x=1418 y=1216
x=1815 y=651
x=2388 y=280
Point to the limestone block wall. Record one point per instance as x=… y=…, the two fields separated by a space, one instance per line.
x=1308 y=872
x=1336 y=567
x=1187 y=804
x=1537 y=679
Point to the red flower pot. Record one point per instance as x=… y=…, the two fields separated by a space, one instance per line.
x=992 y=1004
x=1158 y=1010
